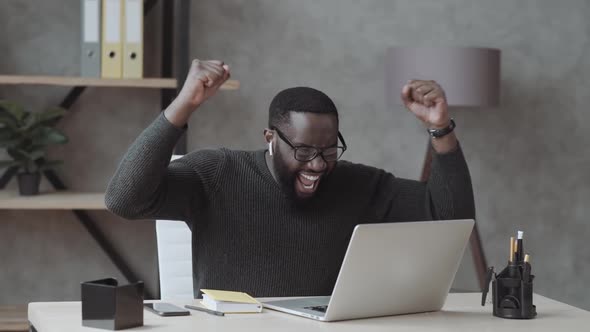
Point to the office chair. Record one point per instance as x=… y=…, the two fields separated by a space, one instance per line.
x=174 y=258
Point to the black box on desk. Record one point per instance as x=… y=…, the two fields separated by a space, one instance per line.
x=106 y=305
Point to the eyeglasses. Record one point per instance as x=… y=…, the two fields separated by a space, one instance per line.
x=306 y=153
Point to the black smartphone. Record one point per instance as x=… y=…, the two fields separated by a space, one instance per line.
x=166 y=309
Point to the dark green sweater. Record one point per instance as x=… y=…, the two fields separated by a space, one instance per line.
x=247 y=235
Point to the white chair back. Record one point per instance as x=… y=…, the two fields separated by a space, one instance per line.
x=174 y=259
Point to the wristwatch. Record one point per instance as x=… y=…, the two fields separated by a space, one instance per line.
x=438 y=133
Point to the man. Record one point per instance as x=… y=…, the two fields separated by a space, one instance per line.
x=277 y=222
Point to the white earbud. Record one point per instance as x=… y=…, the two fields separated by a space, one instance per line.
x=270 y=148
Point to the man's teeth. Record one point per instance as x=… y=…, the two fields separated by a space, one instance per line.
x=311 y=178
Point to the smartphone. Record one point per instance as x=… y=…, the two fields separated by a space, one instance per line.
x=166 y=309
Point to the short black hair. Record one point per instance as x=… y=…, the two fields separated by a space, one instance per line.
x=298 y=99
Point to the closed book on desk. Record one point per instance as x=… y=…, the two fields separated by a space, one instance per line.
x=230 y=302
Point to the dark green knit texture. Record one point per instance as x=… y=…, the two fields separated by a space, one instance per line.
x=248 y=236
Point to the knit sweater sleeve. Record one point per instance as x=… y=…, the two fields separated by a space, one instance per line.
x=448 y=193
x=449 y=186
x=146 y=185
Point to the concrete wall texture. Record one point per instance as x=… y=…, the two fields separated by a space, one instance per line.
x=528 y=158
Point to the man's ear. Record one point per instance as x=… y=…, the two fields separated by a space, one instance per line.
x=268 y=135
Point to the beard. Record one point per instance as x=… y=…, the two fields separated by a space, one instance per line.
x=285 y=177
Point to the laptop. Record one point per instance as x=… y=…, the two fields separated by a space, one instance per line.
x=390 y=269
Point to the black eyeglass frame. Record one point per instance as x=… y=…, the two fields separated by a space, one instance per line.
x=317 y=153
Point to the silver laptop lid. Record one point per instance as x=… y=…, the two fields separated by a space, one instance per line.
x=398 y=268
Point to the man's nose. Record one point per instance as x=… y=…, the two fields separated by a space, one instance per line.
x=318 y=164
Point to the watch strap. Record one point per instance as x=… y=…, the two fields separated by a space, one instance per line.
x=438 y=133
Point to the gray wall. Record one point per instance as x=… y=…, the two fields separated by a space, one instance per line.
x=528 y=157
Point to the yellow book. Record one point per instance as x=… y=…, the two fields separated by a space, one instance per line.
x=132 y=38
x=111 y=61
x=230 y=302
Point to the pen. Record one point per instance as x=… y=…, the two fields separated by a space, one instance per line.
x=209 y=311
x=511 y=259
x=519 y=248
x=527 y=269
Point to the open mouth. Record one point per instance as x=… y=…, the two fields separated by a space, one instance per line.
x=307 y=183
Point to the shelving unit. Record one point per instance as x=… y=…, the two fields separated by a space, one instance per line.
x=154 y=83
x=175 y=55
x=56 y=200
x=13 y=318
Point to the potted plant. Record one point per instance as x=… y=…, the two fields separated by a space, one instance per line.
x=26 y=135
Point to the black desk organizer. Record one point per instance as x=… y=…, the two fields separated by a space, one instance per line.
x=512 y=291
x=106 y=305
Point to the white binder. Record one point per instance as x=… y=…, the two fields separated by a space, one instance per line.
x=90 y=42
x=132 y=38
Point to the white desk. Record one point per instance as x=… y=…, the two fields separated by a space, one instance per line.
x=461 y=312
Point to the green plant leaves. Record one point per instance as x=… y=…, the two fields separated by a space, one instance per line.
x=52 y=114
x=18 y=112
x=45 y=118
x=19 y=154
x=7 y=120
x=26 y=135
x=6 y=137
x=30 y=161
x=8 y=163
x=43 y=136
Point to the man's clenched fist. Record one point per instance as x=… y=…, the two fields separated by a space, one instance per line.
x=203 y=80
x=426 y=99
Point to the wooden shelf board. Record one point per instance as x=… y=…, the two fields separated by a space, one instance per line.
x=57 y=200
x=88 y=81
x=155 y=83
x=14 y=318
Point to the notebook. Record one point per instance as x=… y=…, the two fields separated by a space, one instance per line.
x=230 y=302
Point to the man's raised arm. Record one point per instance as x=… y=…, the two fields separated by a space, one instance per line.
x=449 y=184
x=145 y=185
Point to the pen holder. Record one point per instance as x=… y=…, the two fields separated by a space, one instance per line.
x=106 y=305
x=512 y=292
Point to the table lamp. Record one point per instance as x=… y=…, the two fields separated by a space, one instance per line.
x=470 y=77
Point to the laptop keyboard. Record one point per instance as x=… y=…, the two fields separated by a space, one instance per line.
x=320 y=308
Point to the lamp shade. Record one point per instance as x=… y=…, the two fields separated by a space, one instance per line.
x=470 y=76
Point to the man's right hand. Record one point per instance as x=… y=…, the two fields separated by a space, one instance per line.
x=202 y=81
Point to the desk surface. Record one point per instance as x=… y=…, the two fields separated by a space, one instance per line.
x=461 y=312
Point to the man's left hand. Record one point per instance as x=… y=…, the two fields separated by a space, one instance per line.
x=427 y=100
